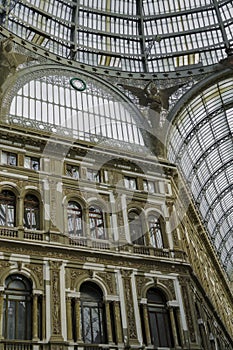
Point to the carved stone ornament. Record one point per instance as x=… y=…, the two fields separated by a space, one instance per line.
x=37 y=271
x=169 y=284
x=109 y=281
x=55 y=297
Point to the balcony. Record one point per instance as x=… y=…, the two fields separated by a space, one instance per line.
x=90 y=243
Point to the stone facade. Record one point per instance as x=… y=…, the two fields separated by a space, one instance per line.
x=185 y=268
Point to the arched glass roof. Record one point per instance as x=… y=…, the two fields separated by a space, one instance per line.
x=138 y=36
x=47 y=99
x=201 y=143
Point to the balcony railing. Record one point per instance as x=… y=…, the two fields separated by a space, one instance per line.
x=8 y=232
x=17 y=345
x=100 y=244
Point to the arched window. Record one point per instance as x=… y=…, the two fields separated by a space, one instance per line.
x=31 y=212
x=136 y=228
x=74 y=213
x=93 y=324
x=159 y=319
x=17 y=310
x=7 y=208
x=155 y=232
x=96 y=221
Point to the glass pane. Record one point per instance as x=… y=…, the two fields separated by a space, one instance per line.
x=11 y=318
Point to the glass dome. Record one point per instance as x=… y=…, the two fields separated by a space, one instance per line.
x=140 y=37
x=201 y=143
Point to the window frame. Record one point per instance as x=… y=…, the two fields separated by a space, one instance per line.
x=159 y=320
x=156 y=237
x=32 y=161
x=130 y=183
x=16 y=299
x=73 y=172
x=96 y=222
x=90 y=304
x=8 y=155
x=76 y=214
x=137 y=234
x=94 y=175
x=10 y=205
x=33 y=211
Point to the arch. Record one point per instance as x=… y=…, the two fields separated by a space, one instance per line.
x=11 y=186
x=159 y=318
x=159 y=286
x=17 y=315
x=127 y=120
x=76 y=198
x=93 y=318
x=98 y=202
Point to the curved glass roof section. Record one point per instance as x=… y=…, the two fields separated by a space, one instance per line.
x=136 y=36
x=47 y=99
x=201 y=143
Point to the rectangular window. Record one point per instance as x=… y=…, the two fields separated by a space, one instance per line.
x=32 y=163
x=148 y=186
x=93 y=175
x=130 y=183
x=9 y=158
x=72 y=171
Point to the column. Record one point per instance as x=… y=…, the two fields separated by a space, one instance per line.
x=1 y=313
x=180 y=327
x=43 y=318
x=146 y=323
x=173 y=324
x=117 y=315
x=20 y=217
x=78 y=320
x=109 y=324
x=69 y=319
x=34 y=317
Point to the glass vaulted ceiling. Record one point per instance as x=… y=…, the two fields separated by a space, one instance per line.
x=137 y=36
x=201 y=144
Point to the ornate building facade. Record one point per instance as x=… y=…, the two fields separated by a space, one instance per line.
x=102 y=242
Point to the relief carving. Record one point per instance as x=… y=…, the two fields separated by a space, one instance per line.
x=129 y=305
x=109 y=280
x=170 y=286
x=73 y=276
x=55 y=297
x=141 y=282
x=37 y=271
